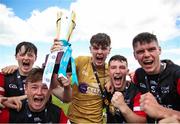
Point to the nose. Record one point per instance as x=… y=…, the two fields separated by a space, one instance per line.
x=146 y=53
x=39 y=91
x=26 y=56
x=99 y=50
x=117 y=71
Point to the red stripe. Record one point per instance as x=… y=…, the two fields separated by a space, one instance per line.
x=4 y=116
x=178 y=86
x=1 y=79
x=2 y=83
x=136 y=101
x=63 y=118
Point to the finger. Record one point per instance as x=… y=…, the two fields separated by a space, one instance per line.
x=55 y=49
x=64 y=81
x=4 y=70
x=142 y=97
x=10 y=70
x=13 y=106
x=3 y=99
x=62 y=77
x=66 y=84
x=19 y=106
x=1 y=105
x=22 y=97
x=112 y=100
x=55 y=40
x=69 y=75
x=118 y=93
x=60 y=82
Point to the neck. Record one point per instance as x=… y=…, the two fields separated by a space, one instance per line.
x=99 y=66
x=121 y=88
x=22 y=73
x=33 y=110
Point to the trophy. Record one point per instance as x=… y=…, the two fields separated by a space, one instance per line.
x=61 y=62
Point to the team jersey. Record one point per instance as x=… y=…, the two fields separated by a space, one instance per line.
x=87 y=103
x=164 y=86
x=12 y=84
x=131 y=97
x=51 y=114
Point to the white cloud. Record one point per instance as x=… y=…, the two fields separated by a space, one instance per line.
x=177 y=62
x=121 y=19
x=39 y=27
x=172 y=51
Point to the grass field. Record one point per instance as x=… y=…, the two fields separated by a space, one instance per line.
x=62 y=105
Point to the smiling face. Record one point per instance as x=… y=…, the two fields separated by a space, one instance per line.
x=38 y=95
x=147 y=54
x=118 y=70
x=25 y=60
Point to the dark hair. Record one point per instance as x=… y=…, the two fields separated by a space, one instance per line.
x=118 y=58
x=101 y=39
x=34 y=75
x=144 y=37
x=29 y=47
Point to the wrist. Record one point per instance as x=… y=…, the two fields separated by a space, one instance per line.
x=123 y=108
x=162 y=112
x=67 y=88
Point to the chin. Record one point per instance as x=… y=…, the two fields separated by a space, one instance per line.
x=99 y=64
x=38 y=109
x=117 y=87
x=149 y=71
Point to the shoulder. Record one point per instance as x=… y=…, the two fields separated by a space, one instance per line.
x=170 y=65
x=54 y=109
x=58 y=112
x=82 y=60
x=172 y=68
x=10 y=75
x=139 y=70
x=138 y=75
x=132 y=89
x=6 y=78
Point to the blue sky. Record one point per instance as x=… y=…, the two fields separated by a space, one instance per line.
x=23 y=8
x=34 y=21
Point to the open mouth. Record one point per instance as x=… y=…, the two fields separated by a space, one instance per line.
x=118 y=81
x=99 y=58
x=149 y=62
x=26 y=64
x=117 y=78
x=36 y=99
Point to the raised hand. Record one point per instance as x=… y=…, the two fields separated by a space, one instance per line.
x=57 y=46
x=118 y=100
x=149 y=105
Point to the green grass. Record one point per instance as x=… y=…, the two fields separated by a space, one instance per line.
x=62 y=105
